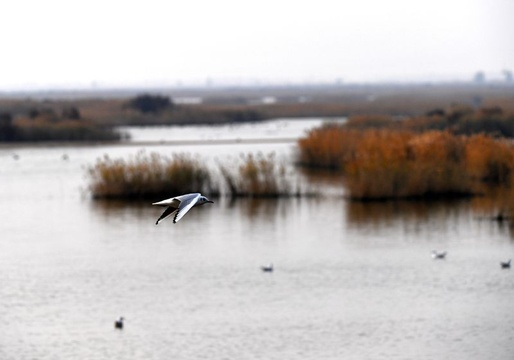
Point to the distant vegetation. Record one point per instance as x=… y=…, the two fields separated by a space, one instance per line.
x=153 y=176
x=47 y=125
x=457 y=119
x=447 y=153
x=148 y=103
x=90 y=116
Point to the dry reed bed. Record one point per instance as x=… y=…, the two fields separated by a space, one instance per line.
x=153 y=176
x=385 y=163
x=147 y=176
x=258 y=176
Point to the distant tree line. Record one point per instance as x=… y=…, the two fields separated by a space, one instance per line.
x=160 y=110
x=147 y=103
x=7 y=129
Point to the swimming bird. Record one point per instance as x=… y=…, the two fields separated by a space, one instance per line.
x=505 y=264
x=438 y=254
x=118 y=324
x=268 y=268
x=180 y=205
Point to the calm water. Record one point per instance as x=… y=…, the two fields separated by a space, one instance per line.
x=351 y=281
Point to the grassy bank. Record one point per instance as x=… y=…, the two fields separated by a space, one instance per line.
x=50 y=126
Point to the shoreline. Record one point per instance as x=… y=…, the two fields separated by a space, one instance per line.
x=237 y=141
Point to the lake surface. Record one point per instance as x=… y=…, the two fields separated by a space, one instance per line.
x=351 y=280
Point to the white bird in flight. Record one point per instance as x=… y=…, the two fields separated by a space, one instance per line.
x=180 y=205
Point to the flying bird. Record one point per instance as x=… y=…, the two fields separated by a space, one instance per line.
x=180 y=205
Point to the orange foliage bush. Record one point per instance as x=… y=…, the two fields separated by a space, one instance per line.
x=400 y=164
x=381 y=164
x=328 y=147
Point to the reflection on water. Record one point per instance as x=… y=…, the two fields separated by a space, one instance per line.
x=329 y=182
x=351 y=280
x=381 y=213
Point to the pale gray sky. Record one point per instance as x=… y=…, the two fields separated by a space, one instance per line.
x=62 y=43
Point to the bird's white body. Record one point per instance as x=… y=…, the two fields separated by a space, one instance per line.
x=180 y=205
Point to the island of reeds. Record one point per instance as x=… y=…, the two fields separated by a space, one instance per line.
x=445 y=153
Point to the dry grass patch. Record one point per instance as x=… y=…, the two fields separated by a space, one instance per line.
x=152 y=176
x=384 y=164
x=258 y=176
x=148 y=176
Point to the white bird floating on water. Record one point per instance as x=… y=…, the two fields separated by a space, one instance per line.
x=438 y=254
x=268 y=268
x=180 y=205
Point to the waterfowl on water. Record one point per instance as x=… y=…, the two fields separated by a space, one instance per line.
x=267 y=268
x=438 y=254
x=118 y=324
x=180 y=205
x=505 y=264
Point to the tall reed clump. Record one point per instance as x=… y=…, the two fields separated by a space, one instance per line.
x=328 y=147
x=149 y=176
x=384 y=164
x=257 y=176
x=402 y=165
x=489 y=160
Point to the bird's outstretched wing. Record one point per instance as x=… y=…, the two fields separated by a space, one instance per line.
x=186 y=204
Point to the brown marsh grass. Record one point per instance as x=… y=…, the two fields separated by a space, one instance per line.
x=385 y=164
x=152 y=176
x=258 y=176
x=328 y=147
x=403 y=165
x=148 y=176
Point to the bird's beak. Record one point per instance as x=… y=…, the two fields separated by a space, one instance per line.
x=209 y=201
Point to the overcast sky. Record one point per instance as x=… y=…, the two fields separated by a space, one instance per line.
x=106 y=43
